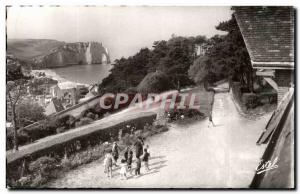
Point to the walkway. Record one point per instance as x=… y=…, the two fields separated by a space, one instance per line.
x=191 y=156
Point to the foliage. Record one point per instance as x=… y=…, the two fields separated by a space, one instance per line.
x=43 y=165
x=251 y=100
x=29 y=112
x=156 y=82
x=180 y=115
x=83 y=121
x=227 y=57
x=43 y=169
x=172 y=57
x=15 y=90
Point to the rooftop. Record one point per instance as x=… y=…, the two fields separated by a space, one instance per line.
x=268 y=33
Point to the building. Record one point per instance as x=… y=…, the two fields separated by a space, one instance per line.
x=66 y=92
x=201 y=49
x=268 y=33
x=54 y=106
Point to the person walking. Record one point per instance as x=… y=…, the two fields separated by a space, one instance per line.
x=137 y=166
x=108 y=163
x=115 y=152
x=146 y=159
x=139 y=147
x=129 y=161
x=210 y=120
x=126 y=153
x=123 y=169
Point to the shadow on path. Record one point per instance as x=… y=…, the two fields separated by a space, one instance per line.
x=154 y=168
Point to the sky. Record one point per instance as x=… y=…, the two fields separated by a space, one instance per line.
x=122 y=29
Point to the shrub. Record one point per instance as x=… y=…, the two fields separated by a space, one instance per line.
x=90 y=115
x=23 y=181
x=38 y=181
x=183 y=114
x=251 y=100
x=61 y=129
x=66 y=163
x=43 y=169
x=43 y=164
x=83 y=121
x=156 y=82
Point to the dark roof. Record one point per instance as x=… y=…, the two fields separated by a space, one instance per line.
x=268 y=33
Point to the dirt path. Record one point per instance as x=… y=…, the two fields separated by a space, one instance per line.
x=190 y=156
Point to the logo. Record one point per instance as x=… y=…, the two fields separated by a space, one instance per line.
x=265 y=166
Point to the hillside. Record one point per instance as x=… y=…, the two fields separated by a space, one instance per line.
x=27 y=49
x=43 y=53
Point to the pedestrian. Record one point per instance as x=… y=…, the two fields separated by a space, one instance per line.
x=139 y=147
x=108 y=163
x=126 y=153
x=115 y=152
x=146 y=159
x=129 y=161
x=210 y=120
x=138 y=166
x=123 y=169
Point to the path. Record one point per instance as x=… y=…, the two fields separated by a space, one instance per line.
x=190 y=156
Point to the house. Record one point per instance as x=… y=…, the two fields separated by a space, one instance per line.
x=66 y=92
x=201 y=49
x=268 y=33
x=54 y=106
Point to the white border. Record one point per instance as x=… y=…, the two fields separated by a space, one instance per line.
x=105 y=2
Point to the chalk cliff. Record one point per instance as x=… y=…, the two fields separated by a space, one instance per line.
x=72 y=54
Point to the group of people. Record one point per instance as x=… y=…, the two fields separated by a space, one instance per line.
x=141 y=155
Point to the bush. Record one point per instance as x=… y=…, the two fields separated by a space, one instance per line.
x=90 y=115
x=181 y=114
x=156 y=82
x=61 y=130
x=83 y=121
x=251 y=100
x=66 y=164
x=23 y=137
x=43 y=169
x=23 y=181
x=38 y=181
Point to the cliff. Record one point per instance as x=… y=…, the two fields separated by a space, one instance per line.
x=27 y=49
x=44 y=53
x=74 y=54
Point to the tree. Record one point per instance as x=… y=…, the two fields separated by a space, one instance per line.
x=29 y=112
x=226 y=57
x=155 y=82
x=199 y=71
x=15 y=91
x=172 y=57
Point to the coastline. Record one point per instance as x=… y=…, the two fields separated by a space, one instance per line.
x=53 y=75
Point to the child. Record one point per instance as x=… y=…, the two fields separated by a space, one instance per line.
x=123 y=169
x=115 y=152
x=108 y=163
x=129 y=161
x=146 y=159
x=138 y=166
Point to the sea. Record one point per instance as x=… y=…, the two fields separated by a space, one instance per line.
x=80 y=74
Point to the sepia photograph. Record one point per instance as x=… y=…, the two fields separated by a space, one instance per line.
x=150 y=97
